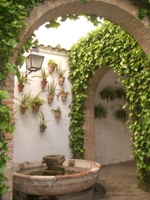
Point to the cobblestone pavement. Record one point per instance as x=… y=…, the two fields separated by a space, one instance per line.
x=118 y=182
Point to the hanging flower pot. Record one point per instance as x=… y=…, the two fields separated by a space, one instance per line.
x=43 y=128
x=35 y=102
x=23 y=102
x=61 y=73
x=22 y=109
x=64 y=96
x=20 y=87
x=61 y=80
x=51 y=68
x=52 y=64
x=35 y=109
x=57 y=112
x=42 y=124
x=107 y=93
x=43 y=84
x=50 y=98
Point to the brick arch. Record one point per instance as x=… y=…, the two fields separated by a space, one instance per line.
x=89 y=124
x=120 y=12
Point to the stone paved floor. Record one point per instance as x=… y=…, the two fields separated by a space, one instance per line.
x=119 y=182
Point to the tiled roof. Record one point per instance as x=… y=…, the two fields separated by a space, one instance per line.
x=49 y=47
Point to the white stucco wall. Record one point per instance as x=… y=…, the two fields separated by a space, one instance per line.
x=112 y=138
x=29 y=143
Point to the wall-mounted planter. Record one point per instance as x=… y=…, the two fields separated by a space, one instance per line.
x=51 y=68
x=35 y=102
x=22 y=109
x=43 y=84
x=64 y=96
x=100 y=111
x=20 y=87
x=120 y=115
x=57 y=112
x=52 y=64
x=42 y=125
x=43 y=128
x=61 y=80
x=119 y=93
x=23 y=102
x=35 y=109
x=51 y=91
x=107 y=93
x=50 y=98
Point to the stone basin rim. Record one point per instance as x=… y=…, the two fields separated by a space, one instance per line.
x=58 y=185
x=95 y=168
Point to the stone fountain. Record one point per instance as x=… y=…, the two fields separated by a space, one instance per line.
x=55 y=176
x=54 y=164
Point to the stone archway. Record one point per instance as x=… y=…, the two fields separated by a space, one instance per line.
x=89 y=124
x=120 y=12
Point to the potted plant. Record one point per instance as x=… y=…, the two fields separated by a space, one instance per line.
x=63 y=94
x=61 y=73
x=21 y=80
x=120 y=114
x=100 y=111
x=44 y=76
x=107 y=93
x=51 y=91
x=35 y=102
x=52 y=64
x=42 y=125
x=57 y=112
x=119 y=93
x=24 y=102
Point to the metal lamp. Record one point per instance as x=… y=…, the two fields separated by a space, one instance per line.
x=34 y=61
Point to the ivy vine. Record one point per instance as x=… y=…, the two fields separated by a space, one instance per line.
x=12 y=22
x=111 y=45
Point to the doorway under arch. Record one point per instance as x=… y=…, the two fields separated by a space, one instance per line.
x=112 y=137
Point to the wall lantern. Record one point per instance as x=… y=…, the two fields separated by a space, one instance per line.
x=34 y=61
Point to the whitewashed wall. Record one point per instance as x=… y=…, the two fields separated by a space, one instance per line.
x=112 y=138
x=29 y=143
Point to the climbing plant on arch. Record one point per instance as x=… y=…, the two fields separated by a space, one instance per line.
x=111 y=45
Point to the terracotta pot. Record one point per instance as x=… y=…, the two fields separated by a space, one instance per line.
x=61 y=80
x=20 y=87
x=35 y=109
x=50 y=98
x=42 y=129
x=43 y=84
x=22 y=109
x=51 y=68
x=63 y=96
x=57 y=115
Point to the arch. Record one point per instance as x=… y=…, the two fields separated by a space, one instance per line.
x=109 y=46
x=89 y=124
x=120 y=12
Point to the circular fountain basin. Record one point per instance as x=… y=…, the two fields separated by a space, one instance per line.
x=85 y=174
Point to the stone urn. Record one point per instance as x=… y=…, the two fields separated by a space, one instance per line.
x=54 y=164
